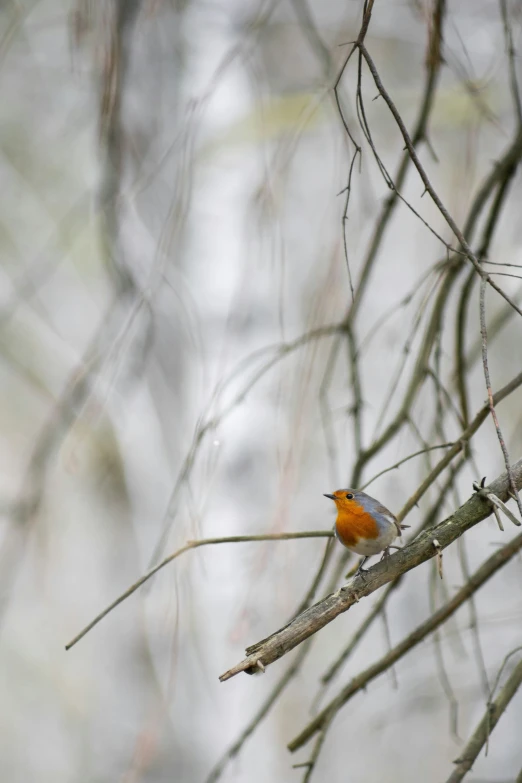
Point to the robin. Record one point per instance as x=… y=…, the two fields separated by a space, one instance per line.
x=364 y=525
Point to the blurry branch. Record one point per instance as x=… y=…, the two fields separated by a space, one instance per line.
x=480 y=737
x=209 y=422
x=438 y=266
x=462 y=310
x=35 y=277
x=490 y=566
x=11 y=24
x=506 y=169
x=440 y=662
x=491 y=404
x=318 y=576
x=361 y=631
x=429 y=342
x=473 y=623
x=511 y=53
x=265 y=652
x=309 y=28
x=63 y=415
x=261 y=713
x=418 y=375
x=312 y=761
x=195 y=545
x=112 y=137
x=78 y=387
x=497 y=680
x=281 y=684
x=324 y=407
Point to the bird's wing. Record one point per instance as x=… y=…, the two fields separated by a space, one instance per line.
x=388 y=514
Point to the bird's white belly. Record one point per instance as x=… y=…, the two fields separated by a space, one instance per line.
x=372 y=546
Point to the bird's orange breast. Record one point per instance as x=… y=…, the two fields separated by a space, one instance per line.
x=355 y=523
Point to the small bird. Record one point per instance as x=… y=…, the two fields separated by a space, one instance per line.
x=364 y=525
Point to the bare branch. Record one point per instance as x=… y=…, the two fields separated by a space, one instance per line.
x=511 y=53
x=484 y=335
x=195 y=545
x=406 y=459
x=427 y=184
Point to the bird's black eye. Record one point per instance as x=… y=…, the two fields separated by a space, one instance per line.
x=349 y=496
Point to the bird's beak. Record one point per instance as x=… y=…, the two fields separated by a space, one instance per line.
x=332 y=497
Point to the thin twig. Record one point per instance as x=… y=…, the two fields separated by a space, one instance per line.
x=194 y=545
x=360 y=632
x=418 y=375
x=312 y=761
x=209 y=422
x=511 y=53
x=406 y=459
x=473 y=617
x=316 y=581
x=484 y=335
x=284 y=681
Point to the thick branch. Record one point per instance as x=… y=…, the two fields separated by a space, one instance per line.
x=316 y=617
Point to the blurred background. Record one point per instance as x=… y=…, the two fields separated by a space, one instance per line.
x=172 y=238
